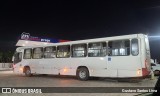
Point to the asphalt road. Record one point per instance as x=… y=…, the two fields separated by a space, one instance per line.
x=8 y=79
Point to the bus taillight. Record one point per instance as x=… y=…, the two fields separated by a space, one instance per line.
x=145 y=71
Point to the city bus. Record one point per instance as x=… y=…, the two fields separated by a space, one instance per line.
x=126 y=56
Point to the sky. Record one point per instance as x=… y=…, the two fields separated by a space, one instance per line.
x=78 y=19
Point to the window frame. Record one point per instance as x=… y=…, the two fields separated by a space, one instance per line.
x=42 y=52
x=30 y=54
x=85 y=54
x=97 y=49
x=18 y=56
x=63 y=51
x=137 y=46
x=118 y=53
x=49 y=52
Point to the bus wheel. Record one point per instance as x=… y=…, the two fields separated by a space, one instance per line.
x=28 y=72
x=83 y=74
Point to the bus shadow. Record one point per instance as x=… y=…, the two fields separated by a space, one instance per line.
x=100 y=79
x=55 y=76
x=121 y=80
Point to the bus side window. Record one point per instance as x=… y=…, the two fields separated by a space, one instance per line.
x=79 y=50
x=49 y=52
x=63 y=51
x=37 y=53
x=97 y=49
x=119 y=48
x=27 y=53
x=134 y=47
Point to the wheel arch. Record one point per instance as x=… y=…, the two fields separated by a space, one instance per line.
x=82 y=67
x=25 y=67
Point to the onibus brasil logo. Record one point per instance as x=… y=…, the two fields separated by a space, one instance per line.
x=21 y=90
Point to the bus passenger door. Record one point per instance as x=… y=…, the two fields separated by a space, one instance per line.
x=118 y=55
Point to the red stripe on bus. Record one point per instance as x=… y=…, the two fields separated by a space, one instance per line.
x=145 y=72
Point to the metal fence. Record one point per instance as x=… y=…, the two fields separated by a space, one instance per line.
x=5 y=65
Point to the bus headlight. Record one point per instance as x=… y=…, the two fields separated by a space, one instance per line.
x=21 y=69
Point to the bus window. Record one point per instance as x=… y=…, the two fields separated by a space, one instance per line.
x=49 y=52
x=97 y=49
x=37 y=53
x=79 y=50
x=134 y=47
x=63 y=51
x=17 y=57
x=119 y=48
x=27 y=53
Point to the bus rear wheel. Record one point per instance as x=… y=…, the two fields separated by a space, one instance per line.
x=27 y=72
x=82 y=74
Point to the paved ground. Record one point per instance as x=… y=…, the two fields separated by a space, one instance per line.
x=8 y=79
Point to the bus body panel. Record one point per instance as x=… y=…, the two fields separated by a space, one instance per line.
x=125 y=69
x=107 y=66
x=145 y=55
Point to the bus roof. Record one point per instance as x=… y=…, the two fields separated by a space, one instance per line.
x=89 y=40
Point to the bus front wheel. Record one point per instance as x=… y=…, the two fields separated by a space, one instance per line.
x=27 y=72
x=83 y=74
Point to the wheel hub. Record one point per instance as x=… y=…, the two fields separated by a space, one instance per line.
x=82 y=74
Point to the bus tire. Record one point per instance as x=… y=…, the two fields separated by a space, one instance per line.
x=27 y=72
x=83 y=74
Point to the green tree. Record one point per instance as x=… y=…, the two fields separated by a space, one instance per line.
x=8 y=56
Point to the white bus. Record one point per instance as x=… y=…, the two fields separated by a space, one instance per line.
x=124 y=56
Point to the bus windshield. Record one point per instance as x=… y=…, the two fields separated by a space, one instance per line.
x=17 y=57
